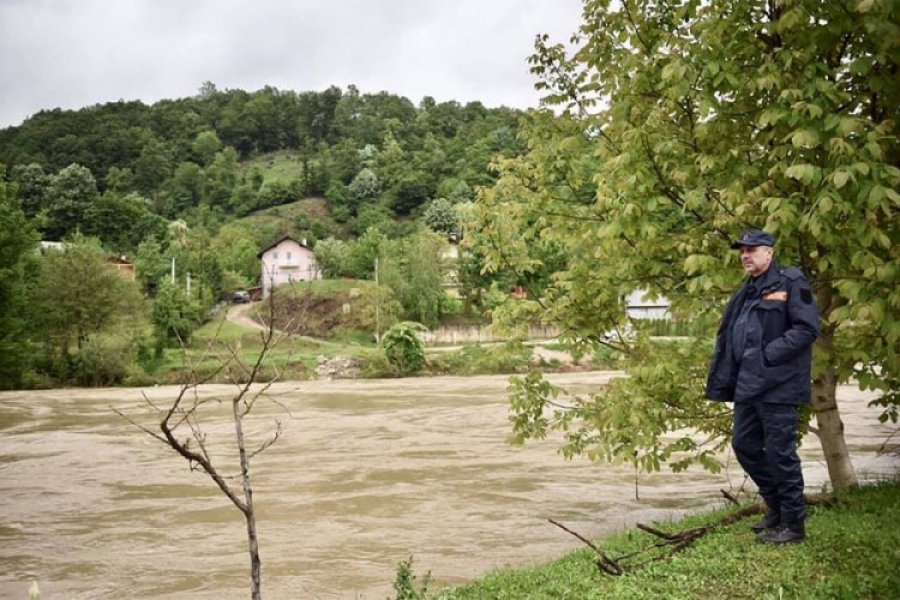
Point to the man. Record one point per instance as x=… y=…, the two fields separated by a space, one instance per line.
x=762 y=363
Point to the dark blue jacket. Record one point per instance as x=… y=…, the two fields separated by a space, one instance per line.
x=776 y=357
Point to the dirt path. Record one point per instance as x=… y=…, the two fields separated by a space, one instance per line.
x=240 y=315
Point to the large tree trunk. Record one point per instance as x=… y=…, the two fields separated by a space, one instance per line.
x=828 y=418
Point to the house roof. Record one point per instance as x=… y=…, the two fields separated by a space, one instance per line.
x=278 y=241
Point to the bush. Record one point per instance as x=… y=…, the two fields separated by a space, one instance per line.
x=104 y=360
x=405 y=583
x=404 y=348
x=511 y=357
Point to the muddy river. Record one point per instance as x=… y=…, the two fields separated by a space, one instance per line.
x=366 y=474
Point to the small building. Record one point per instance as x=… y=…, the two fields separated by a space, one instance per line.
x=641 y=305
x=285 y=261
x=46 y=246
x=123 y=266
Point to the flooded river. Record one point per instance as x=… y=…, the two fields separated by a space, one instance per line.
x=365 y=474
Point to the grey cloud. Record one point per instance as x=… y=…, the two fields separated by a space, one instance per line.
x=56 y=53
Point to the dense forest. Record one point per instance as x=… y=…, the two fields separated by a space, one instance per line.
x=183 y=180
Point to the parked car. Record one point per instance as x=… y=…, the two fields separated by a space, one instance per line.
x=241 y=297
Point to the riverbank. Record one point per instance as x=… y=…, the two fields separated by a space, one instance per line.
x=852 y=551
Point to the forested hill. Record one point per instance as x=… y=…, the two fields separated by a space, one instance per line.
x=121 y=171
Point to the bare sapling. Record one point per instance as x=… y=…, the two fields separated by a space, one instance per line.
x=181 y=425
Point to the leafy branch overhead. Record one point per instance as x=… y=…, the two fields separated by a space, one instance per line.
x=677 y=125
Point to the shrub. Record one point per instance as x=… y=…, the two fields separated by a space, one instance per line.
x=405 y=583
x=104 y=360
x=404 y=348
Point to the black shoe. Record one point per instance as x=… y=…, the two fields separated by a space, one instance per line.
x=773 y=519
x=783 y=534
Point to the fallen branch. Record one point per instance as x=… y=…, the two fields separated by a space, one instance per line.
x=730 y=498
x=675 y=542
x=603 y=561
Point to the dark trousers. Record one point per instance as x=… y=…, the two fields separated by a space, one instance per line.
x=765 y=443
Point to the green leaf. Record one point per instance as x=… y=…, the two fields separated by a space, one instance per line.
x=805 y=138
x=840 y=178
x=805 y=173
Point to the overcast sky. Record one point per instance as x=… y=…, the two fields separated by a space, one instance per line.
x=75 y=53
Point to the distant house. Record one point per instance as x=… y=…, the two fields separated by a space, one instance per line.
x=641 y=306
x=285 y=261
x=45 y=246
x=123 y=266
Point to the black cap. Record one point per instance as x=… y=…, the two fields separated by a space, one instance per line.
x=754 y=237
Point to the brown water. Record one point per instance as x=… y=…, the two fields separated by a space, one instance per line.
x=366 y=474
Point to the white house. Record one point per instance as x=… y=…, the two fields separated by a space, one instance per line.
x=639 y=306
x=285 y=261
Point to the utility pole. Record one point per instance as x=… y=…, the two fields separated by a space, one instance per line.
x=173 y=270
x=377 y=306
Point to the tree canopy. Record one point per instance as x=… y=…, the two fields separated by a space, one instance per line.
x=188 y=156
x=679 y=124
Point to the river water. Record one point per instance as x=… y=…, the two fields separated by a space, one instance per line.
x=366 y=474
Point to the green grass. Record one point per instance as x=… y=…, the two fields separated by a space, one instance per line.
x=283 y=217
x=283 y=167
x=307 y=217
x=510 y=357
x=219 y=340
x=852 y=552
x=322 y=288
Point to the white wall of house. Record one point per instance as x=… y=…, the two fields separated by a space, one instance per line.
x=286 y=262
x=640 y=306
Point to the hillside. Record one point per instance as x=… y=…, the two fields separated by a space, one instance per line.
x=189 y=190
x=331 y=309
x=221 y=155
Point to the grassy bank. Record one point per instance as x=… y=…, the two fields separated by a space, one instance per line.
x=852 y=551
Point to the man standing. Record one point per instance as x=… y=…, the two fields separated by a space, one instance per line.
x=762 y=363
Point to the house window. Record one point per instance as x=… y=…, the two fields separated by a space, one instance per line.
x=275 y=255
x=289 y=256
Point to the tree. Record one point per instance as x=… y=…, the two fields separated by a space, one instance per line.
x=681 y=124
x=119 y=180
x=236 y=251
x=17 y=241
x=175 y=315
x=180 y=427
x=121 y=222
x=152 y=167
x=70 y=193
x=205 y=147
x=77 y=294
x=333 y=257
x=363 y=252
x=440 y=216
x=186 y=188
x=221 y=178
x=373 y=216
x=32 y=185
x=152 y=264
x=423 y=295
x=364 y=189
x=410 y=192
